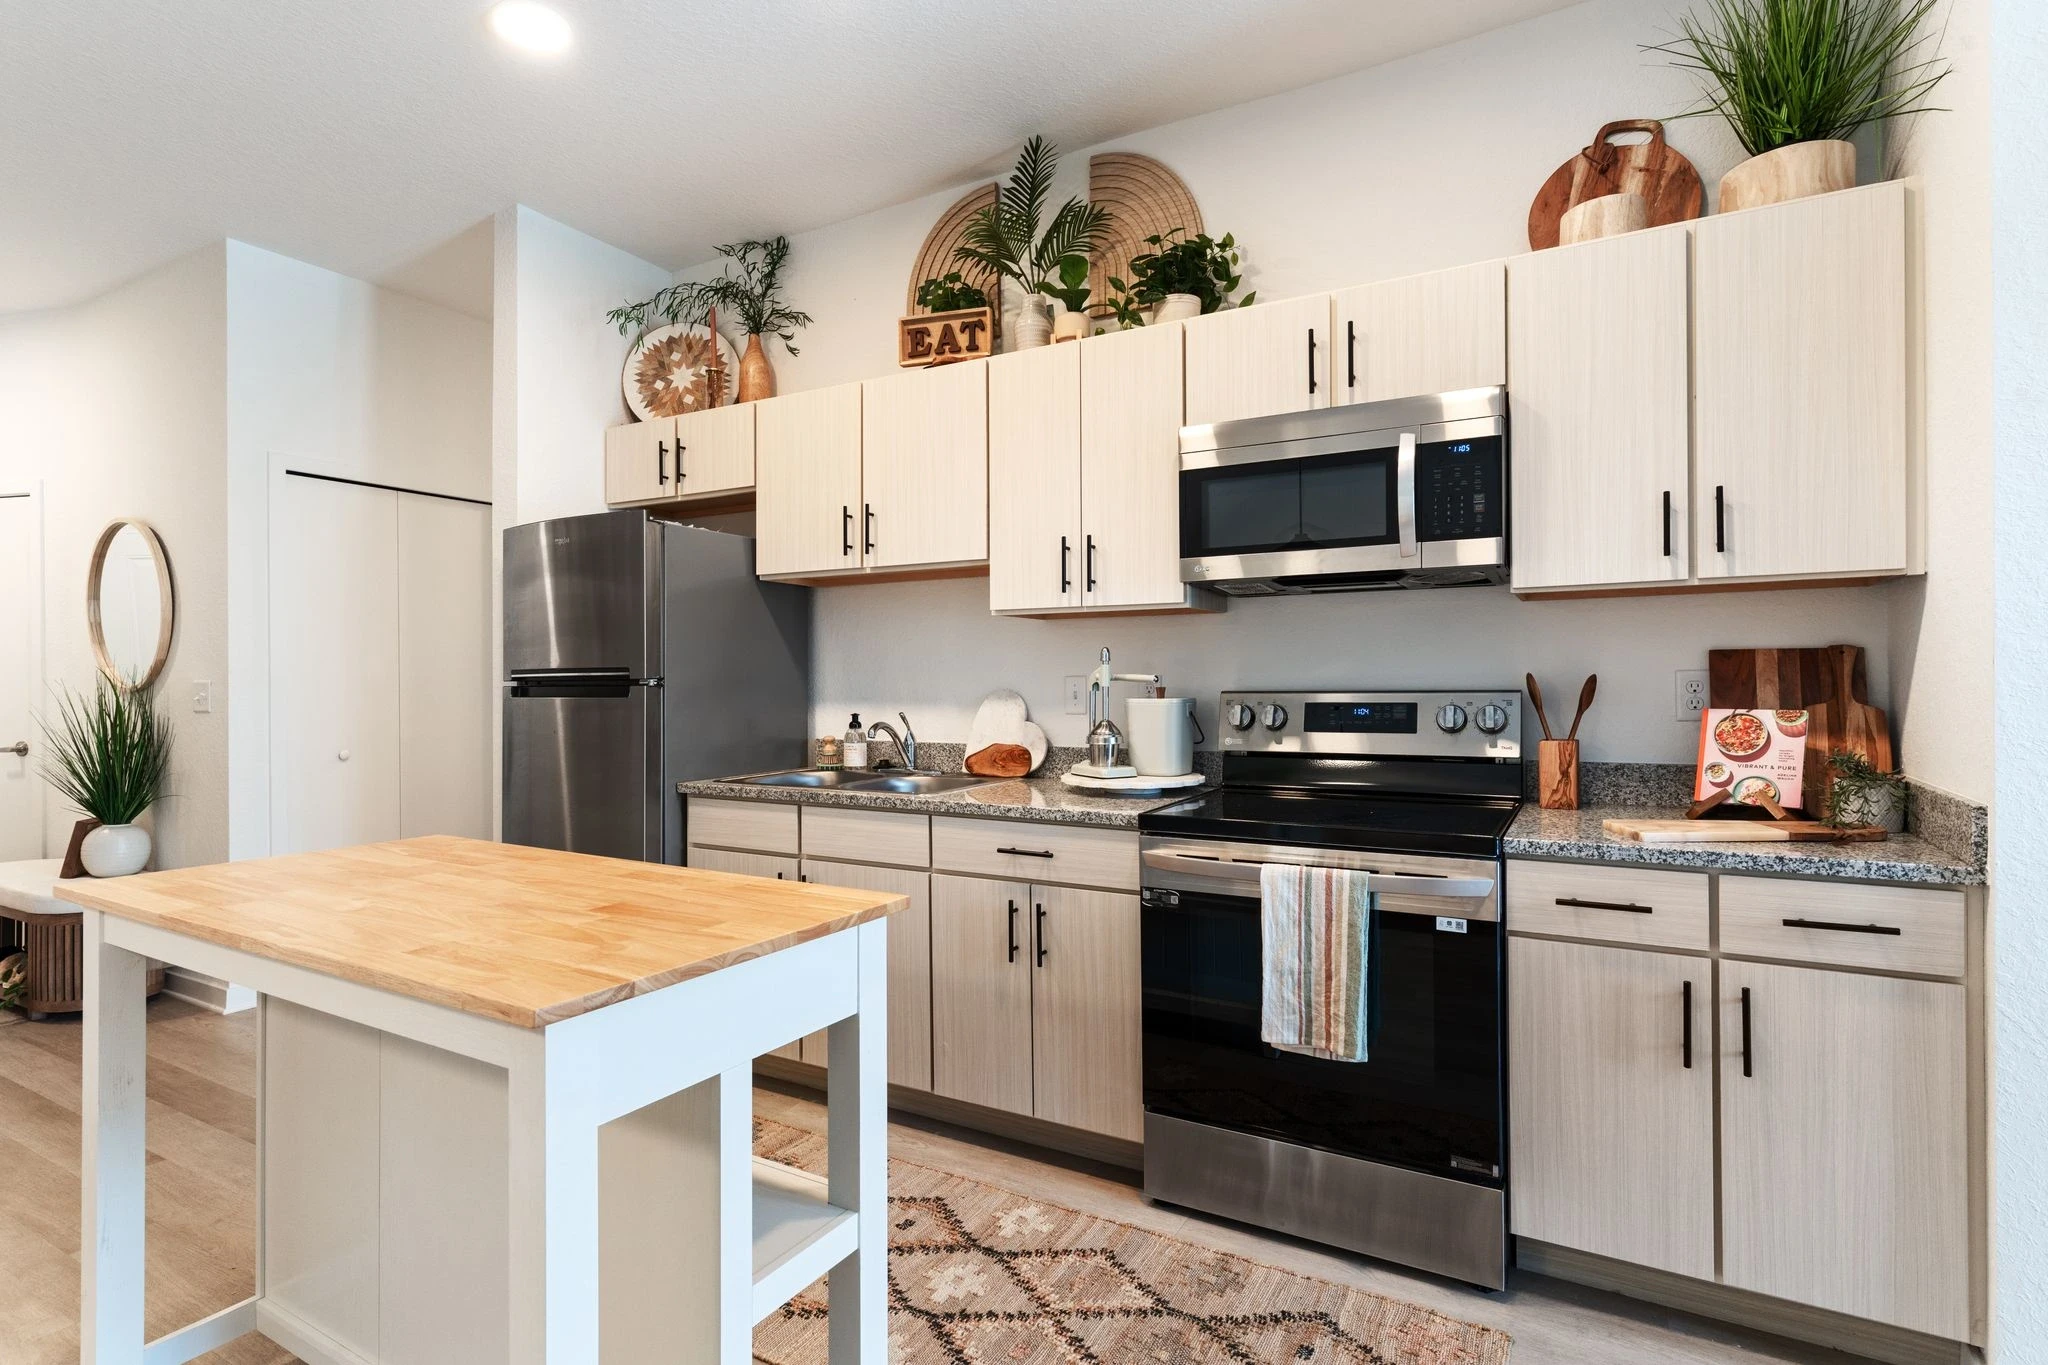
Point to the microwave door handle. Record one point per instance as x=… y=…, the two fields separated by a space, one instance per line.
x=1404 y=495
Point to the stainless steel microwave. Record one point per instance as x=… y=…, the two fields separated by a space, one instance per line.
x=1409 y=493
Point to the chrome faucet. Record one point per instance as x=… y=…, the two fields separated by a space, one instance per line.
x=906 y=743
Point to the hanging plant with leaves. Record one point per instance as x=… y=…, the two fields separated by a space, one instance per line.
x=753 y=295
x=1012 y=238
x=1786 y=71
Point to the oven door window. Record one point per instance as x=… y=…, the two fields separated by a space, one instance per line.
x=1428 y=1098
x=1318 y=502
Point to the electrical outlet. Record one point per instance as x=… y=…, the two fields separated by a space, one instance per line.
x=1690 y=697
x=1077 y=694
x=202 y=697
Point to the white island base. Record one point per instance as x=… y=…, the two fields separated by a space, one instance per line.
x=441 y=1187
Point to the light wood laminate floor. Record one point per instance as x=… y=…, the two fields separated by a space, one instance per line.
x=202 y=1128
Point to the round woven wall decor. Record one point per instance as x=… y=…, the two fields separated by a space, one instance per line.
x=1144 y=198
x=935 y=257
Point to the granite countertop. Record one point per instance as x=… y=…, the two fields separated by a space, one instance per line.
x=1578 y=835
x=1030 y=798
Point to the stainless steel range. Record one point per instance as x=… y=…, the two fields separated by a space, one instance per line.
x=1402 y=1156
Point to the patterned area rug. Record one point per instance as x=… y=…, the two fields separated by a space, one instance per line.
x=980 y=1275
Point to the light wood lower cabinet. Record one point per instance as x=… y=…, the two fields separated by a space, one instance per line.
x=1086 y=1011
x=1613 y=1111
x=981 y=992
x=1844 y=1143
x=910 y=965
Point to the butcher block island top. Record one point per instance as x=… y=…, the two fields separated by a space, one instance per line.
x=524 y=935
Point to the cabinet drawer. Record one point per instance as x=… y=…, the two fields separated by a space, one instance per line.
x=1887 y=928
x=867 y=836
x=753 y=825
x=1632 y=905
x=1027 y=851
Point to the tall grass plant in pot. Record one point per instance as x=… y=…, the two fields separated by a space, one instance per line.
x=1795 y=79
x=109 y=753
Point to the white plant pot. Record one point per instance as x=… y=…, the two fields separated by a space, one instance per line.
x=1034 y=326
x=1070 y=326
x=1178 y=308
x=115 y=850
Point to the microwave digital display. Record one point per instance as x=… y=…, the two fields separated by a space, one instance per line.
x=1359 y=718
x=1458 y=489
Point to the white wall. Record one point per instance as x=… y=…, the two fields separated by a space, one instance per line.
x=118 y=408
x=1416 y=165
x=344 y=378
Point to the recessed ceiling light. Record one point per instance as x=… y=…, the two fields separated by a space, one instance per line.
x=530 y=27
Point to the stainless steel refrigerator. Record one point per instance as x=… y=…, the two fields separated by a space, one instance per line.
x=639 y=654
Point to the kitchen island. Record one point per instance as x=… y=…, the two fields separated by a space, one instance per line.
x=504 y=1104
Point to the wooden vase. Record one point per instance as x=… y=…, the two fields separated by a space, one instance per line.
x=757 y=376
x=1557 y=774
x=1790 y=172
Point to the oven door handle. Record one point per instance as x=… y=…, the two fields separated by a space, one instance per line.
x=1379 y=883
x=1404 y=496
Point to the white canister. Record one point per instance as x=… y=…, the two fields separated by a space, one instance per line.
x=1161 y=732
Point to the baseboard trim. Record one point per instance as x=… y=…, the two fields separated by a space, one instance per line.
x=996 y=1122
x=1877 y=1340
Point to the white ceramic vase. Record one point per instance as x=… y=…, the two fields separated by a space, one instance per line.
x=1034 y=325
x=115 y=850
x=1178 y=308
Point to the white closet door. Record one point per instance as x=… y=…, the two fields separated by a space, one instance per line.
x=444 y=662
x=333 y=665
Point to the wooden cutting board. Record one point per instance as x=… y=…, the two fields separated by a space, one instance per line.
x=1738 y=832
x=1831 y=684
x=1669 y=184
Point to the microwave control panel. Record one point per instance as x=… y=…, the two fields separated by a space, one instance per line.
x=1458 y=489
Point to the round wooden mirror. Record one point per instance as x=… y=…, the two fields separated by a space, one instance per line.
x=129 y=604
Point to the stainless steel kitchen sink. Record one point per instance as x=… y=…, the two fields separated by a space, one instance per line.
x=920 y=784
x=806 y=777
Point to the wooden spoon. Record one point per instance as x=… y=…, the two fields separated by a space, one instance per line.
x=1536 y=698
x=1585 y=701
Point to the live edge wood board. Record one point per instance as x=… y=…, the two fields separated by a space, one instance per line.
x=524 y=935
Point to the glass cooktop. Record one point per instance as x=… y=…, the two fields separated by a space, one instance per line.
x=1470 y=826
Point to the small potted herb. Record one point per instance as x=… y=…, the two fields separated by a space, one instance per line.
x=1181 y=277
x=1072 y=293
x=1795 y=78
x=949 y=293
x=1861 y=794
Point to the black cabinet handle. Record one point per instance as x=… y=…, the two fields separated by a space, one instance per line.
x=1013 y=931
x=1745 y=1031
x=680 y=448
x=661 y=461
x=1686 y=1046
x=1027 y=852
x=1311 y=360
x=1577 y=904
x=867 y=527
x=845 y=529
x=1892 y=929
x=1350 y=358
x=1066 y=555
x=778 y=876
x=1038 y=927
x=1091 y=564
x=1667 y=523
x=1720 y=519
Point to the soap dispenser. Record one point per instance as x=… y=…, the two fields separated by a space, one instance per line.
x=854 y=751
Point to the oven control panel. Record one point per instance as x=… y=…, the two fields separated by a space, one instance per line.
x=1479 y=724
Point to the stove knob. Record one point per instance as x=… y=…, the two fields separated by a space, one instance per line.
x=1239 y=715
x=1450 y=718
x=1274 y=715
x=1493 y=718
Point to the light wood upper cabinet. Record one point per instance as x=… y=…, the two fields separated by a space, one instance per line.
x=1430 y=333
x=715 y=449
x=1598 y=373
x=807 y=474
x=981 y=991
x=1800 y=353
x=1086 y=1011
x=1131 y=409
x=1844 y=1151
x=1034 y=478
x=1253 y=362
x=640 y=463
x=924 y=457
x=910 y=964
x=1613 y=1133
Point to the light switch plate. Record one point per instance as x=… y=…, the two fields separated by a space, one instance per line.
x=202 y=697
x=1077 y=694
x=1689 y=697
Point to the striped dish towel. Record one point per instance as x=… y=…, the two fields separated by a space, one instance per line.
x=1314 y=923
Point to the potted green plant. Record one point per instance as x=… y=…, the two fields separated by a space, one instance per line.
x=1072 y=295
x=108 y=756
x=1007 y=240
x=1181 y=277
x=1796 y=78
x=753 y=295
x=1861 y=794
x=949 y=293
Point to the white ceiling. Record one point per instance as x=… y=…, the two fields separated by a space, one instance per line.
x=372 y=136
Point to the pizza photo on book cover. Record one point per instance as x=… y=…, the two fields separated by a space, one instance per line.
x=1752 y=755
